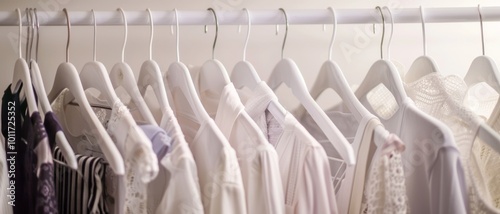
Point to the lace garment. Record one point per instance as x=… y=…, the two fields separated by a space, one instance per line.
x=385 y=190
x=482 y=100
x=140 y=161
x=443 y=98
x=128 y=193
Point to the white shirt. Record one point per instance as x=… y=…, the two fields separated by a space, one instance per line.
x=257 y=158
x=303 y=163
x=219 y=173
x=180 y=177
x=435 y=181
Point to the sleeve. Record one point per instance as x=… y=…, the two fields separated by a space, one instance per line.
x=225 y=193
x=315 y=190
x=448 y=192
x=271 y=179
x=182 y=194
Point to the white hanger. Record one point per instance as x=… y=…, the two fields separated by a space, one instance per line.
x=95 y=75
x=61 y=140
x=122 y=75
x=331 y=76
x=286 y=71
x=178 y=77
x=423 y=65
x=245 y=75
x=67 y=77
x=483 y=69
x=150 y=74
x=213 y=75
x=383 y=72
x=22 y=74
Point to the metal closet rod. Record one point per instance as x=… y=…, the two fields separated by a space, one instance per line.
x=259 y=17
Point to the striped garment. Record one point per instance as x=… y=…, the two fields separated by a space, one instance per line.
x=80 y=192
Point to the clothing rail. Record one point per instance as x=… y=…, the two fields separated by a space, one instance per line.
x=259 y=17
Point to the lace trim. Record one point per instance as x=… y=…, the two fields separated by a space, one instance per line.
x=386 y=190
x=443 y=98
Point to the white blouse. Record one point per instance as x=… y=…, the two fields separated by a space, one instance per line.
x=303 y=163
x=443 y=97
x=385 y=190
x=182 y=189
x=257 y=158
x=220 y=181
x=435 y=181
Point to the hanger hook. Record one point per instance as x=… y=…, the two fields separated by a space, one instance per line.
x=383 y=32
x=481 y=22
x=151 y=27
x=334 y=32
x=286 y=31
x=32 y=34
x=68 y=22
x=216 y=31
x=37 y=33
x=28 y=25
x=392 y=32
x=249 y=18
x=20 y=19
x=124 y=17
x=177 y=34
x=422 y=18
x=94 y=43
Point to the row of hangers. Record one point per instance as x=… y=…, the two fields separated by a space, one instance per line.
x=214 y=77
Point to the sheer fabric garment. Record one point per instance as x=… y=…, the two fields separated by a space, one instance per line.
x=220 y=180
x=376 y=183
x=129 y=194
x=434 y=177
x=443 y=97
x=257 y=158
x=304 y=167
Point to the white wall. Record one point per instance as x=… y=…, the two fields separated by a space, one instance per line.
x=453 y=46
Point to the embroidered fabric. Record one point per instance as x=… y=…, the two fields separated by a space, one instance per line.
x=482 y=100
x=140 y=160
x=46 y=195
x=443 y=98
x=385 y=190
x=128 y=193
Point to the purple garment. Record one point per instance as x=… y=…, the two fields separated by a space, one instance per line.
x=52 y=126
x=159 y=138
x=45 y=197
